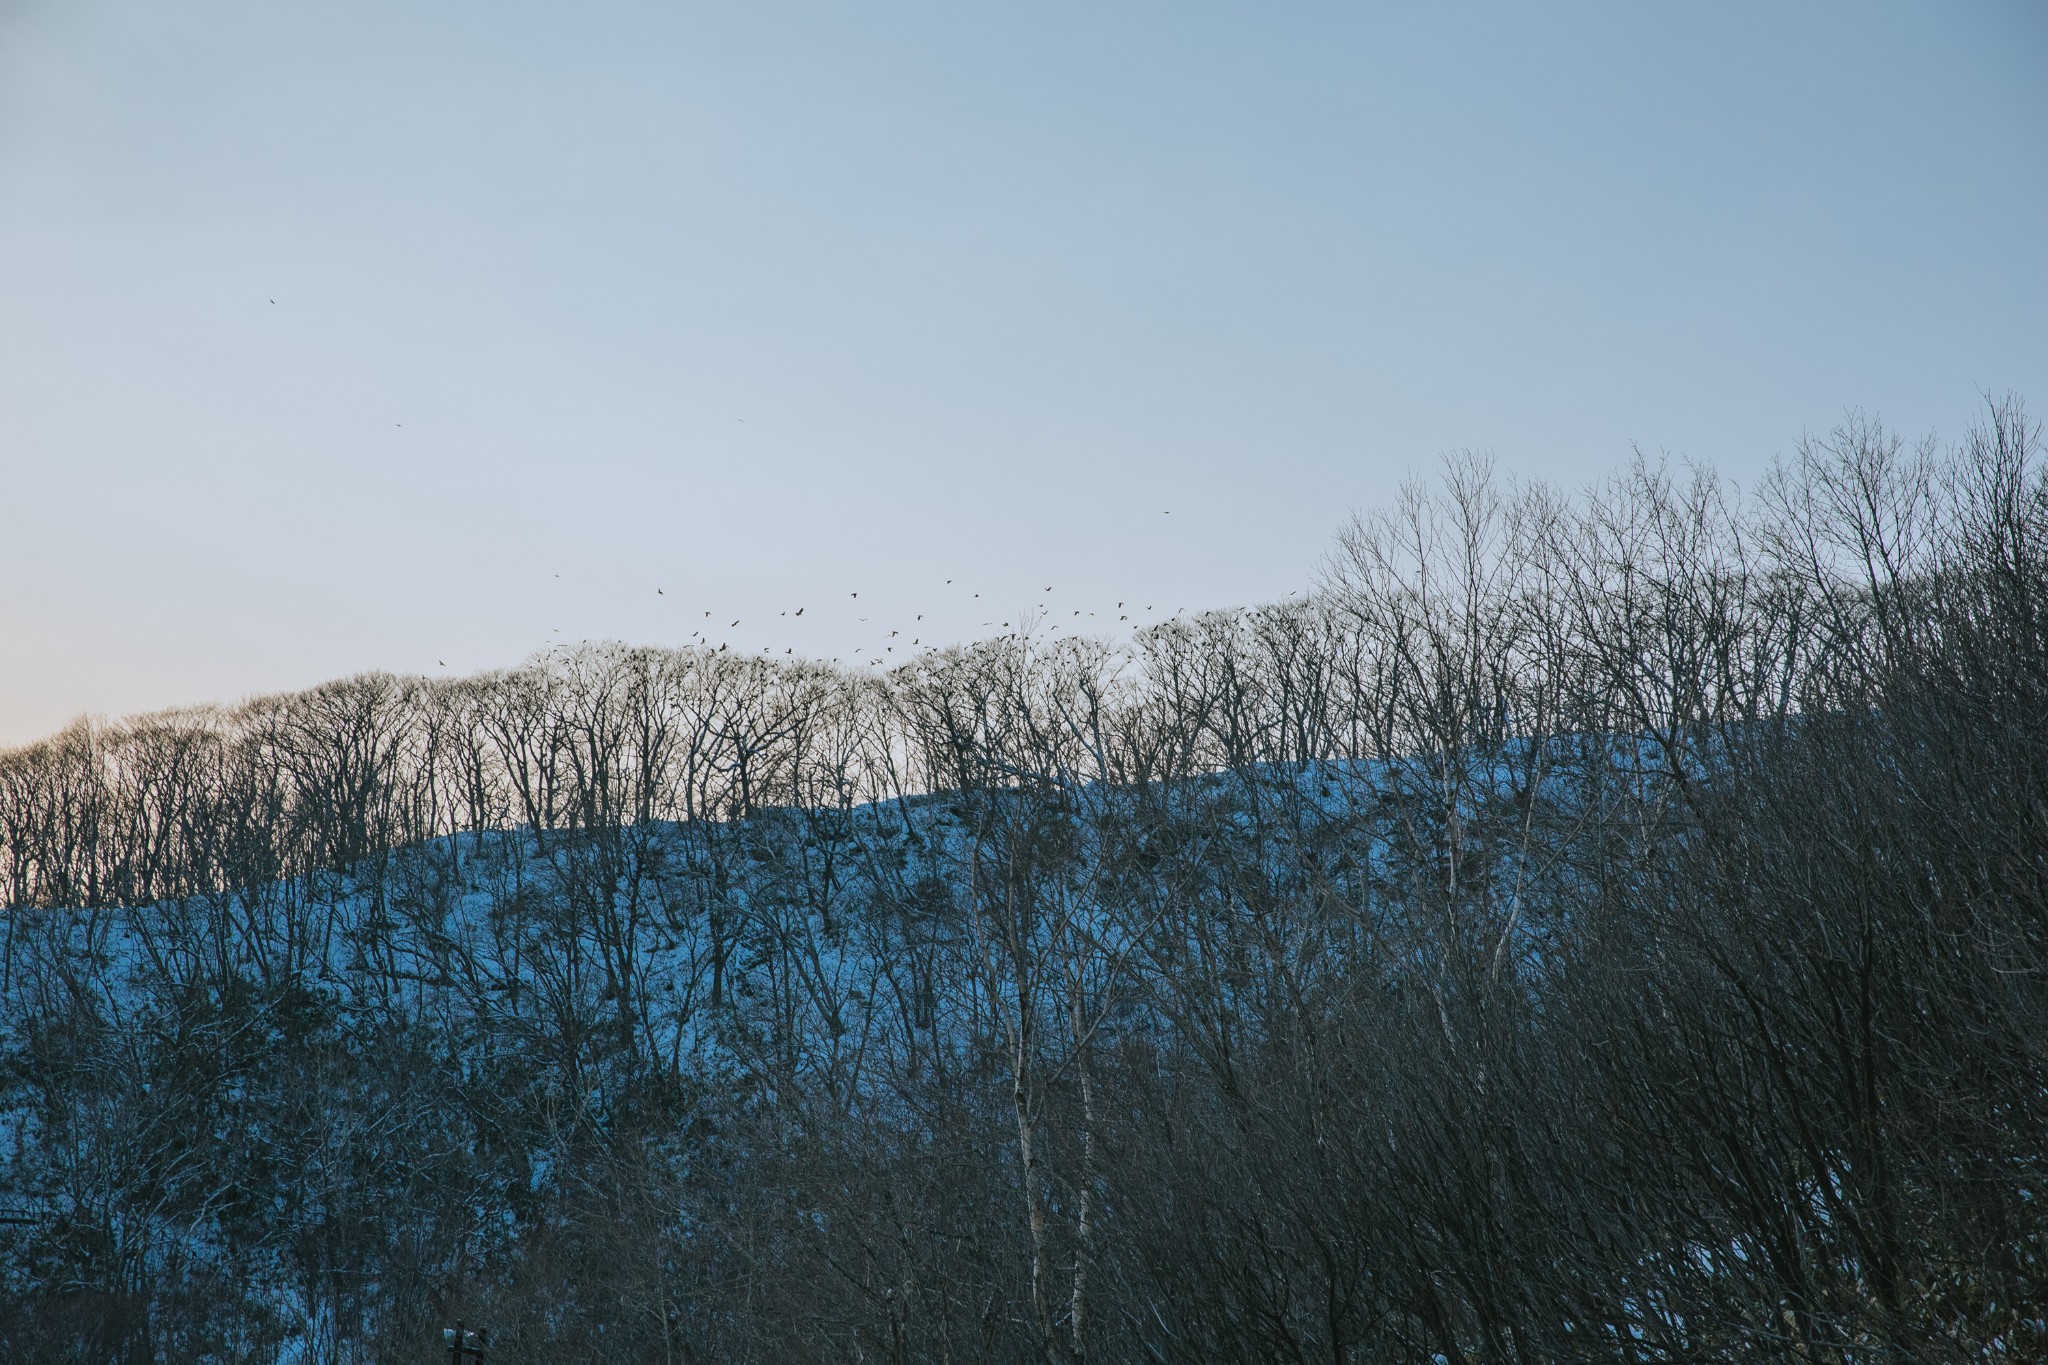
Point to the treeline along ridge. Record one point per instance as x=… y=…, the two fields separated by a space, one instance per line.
x=1593 y=928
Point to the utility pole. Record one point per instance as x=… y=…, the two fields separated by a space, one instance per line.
x=464 y=1347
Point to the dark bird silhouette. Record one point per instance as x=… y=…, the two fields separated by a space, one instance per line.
x=659 y=593
x=799 y=611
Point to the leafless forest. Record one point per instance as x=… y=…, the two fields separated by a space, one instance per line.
x=1606 y=927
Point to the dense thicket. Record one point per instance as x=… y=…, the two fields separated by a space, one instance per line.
x=1607 y=928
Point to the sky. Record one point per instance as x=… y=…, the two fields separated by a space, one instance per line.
x=342 y=335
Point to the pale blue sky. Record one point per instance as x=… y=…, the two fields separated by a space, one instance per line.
x=763 y=304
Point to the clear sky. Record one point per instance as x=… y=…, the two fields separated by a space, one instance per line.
x=345 y=334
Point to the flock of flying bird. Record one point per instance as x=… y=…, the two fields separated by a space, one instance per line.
x=703 y=633
x=887 y=648
x=887 y=643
